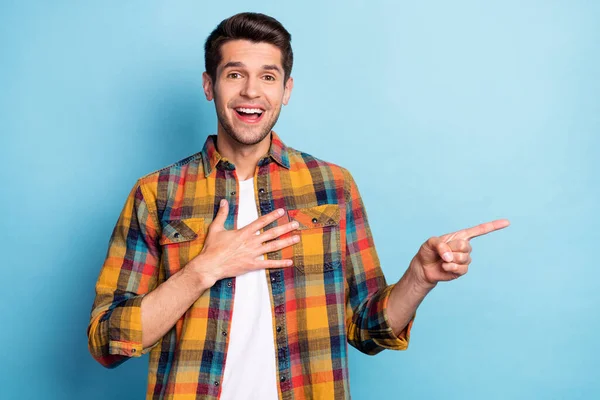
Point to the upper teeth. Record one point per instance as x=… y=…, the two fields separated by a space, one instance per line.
x=250 y=110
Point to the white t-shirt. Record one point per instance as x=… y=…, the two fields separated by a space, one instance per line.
x=250 y=371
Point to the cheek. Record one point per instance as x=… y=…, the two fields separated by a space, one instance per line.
x=222 y=105
x=222 y=96
x=275 y=96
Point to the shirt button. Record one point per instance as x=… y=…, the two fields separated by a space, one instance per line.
x=282 y=379
x=278 y=329
x=233 y=193
x=273 y=279
x=261 y=190
x=216 y=383
x=229 y=284
x=224 y=333
x=176 y=235
x=315 y=220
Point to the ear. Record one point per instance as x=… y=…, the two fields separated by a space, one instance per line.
x=207 y=84
x=287 y=91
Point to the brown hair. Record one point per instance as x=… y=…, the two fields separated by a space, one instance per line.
x=254 y=27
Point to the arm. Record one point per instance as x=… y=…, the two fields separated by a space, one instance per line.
x=163 y=307
x=130 y=271
x=404 y=299
x=368 y=294
x=130 y=314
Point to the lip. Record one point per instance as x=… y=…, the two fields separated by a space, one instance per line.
x=246 y=119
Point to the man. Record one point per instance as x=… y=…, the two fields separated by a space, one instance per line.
x=247 y=268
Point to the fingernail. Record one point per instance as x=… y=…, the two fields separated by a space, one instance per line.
x=296 y=238
x=447 y=256
x=280 y=211
x=222 y=203
x=295 y=224
x=289 y=262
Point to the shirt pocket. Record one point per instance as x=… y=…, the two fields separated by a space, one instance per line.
x=319 y=248
x=181 y=240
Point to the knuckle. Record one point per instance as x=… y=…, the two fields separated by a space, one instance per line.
x=267 y=247
x=265 y=236
x=274 y=246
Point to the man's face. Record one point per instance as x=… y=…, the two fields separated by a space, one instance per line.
x=248 y=90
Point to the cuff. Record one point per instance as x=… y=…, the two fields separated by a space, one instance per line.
x=125 y=329
x=384 y=335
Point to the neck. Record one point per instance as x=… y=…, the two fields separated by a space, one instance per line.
x=244 y=157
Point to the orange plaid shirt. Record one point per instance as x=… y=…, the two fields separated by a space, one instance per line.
x=334 y=295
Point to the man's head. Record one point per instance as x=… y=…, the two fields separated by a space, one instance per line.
x=248 y=61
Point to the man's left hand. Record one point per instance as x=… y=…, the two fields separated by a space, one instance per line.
x=447 y=257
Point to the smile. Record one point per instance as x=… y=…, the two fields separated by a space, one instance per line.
x=249 y=115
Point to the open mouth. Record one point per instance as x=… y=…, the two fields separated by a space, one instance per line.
x=249 y=115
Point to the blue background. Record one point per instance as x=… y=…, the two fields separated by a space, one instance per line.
x=448 y=114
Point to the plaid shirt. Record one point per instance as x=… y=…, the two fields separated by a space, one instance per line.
x=334 y=294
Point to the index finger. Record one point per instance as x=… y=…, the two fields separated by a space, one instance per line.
x=483 y=229
x=265 y=220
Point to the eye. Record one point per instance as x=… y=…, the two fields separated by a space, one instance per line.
x=269 y=77
x=234 y=75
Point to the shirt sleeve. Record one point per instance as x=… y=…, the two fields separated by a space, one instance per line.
x=129 y=271
x=367 y=292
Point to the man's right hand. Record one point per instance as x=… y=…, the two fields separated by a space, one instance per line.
x=229 y=253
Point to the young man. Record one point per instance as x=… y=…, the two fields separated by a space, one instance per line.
x=246 y=268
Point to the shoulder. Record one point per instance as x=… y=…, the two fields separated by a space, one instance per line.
x=169 y=177
x=303 y=159
x=324 y=172
x=177 y=168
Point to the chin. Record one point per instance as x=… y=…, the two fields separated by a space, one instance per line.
x=249 y=137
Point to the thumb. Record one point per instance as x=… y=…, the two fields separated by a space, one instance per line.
x=435 y=247
x=219 y=221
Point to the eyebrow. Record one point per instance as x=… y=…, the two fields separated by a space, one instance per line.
x=272 y=67
x=239 y=64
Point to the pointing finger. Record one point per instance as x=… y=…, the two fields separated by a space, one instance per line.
x=486 y=228
x=478 y=230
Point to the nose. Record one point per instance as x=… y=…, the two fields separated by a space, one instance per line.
x=251 y=88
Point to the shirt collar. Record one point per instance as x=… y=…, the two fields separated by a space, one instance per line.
x=211 y=157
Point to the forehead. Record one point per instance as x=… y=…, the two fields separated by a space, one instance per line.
x=253 y=55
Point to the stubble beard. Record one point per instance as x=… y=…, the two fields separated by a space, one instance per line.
x=249 y=139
